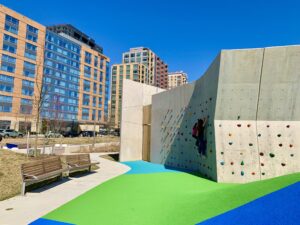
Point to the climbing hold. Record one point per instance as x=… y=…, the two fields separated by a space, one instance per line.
x=272 y=155
x=263 y=173
x=222 y=153
x=253 y=173
x=238 y=117
x=242 y=173
x=231 y=163
x=232 y=172
x=278 y=135
x=242 y=163
x=230 y=143
x=291 y=145
x=292 y=155
x=220 y=125
x=283 y=164
x=280 y=145
x=249 y=125
x=268 y=126
x=250 y=144
x=259 y=135
x=287 y=126
x=229 y=134
x=262 y=164
x=261 y=154
x=239 y=125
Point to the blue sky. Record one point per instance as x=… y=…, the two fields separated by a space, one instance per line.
x=185 y=34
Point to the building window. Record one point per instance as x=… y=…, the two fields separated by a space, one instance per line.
x=88 y=58
x=87 y=71
x=95 y=74
x=26 y=106
x=32 y=33
x=100 y=102
x=30 y=51
x=94 y=101
x=5 y=103
x=27 y=87
x=86 y=99
x=96 y=61
x=29 y=69
x=93 y=114
x=100 y=89
x=6 y=83
x=99 y=114
x=86 y=85
x=9 y=43
x=11 y=24
x=95 y=88
x=8 y=63
x=85 y=114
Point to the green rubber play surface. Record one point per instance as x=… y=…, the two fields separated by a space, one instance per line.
x=161 y=198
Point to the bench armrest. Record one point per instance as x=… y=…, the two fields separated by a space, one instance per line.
x=70 y=164
x=30 y=176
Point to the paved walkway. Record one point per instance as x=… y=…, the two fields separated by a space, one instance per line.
x=21 y=210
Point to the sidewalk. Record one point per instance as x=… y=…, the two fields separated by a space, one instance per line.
x=23 y=210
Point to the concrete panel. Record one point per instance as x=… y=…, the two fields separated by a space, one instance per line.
x=135 y=96
x=173 y=115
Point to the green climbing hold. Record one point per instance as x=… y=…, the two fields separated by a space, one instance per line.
x=272 y=155
x=232 y=173
x=242 y=173
x=242 y=163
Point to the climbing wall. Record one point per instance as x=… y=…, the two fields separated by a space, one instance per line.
x=252 y=100
x=173 y=115
x=278 y=126
x=235 y=120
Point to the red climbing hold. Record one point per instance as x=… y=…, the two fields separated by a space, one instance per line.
x=231 y=163
x=253 y=173
x=291 y=145
x=261 y=154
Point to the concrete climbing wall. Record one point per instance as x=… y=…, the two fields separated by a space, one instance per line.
x=135 y=96
x=173 y=115
x=278 y=120
x=252 y=99
x=235 y=120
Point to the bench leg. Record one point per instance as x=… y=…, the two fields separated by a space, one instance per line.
x=23 y=188
x=90 y=168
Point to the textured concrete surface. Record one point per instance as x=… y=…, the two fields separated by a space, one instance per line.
x=253 y=102
x=135 y=96
x=21 y=210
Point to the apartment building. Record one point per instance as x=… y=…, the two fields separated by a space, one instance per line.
x=58 y=66
x=22 y=43
x=141 y=65
x=176 y=79
x=132 y=71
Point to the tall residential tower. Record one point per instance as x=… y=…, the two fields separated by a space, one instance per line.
x=141 y=65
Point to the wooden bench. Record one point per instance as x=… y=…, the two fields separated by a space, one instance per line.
x=41 y=170
x=79 y=162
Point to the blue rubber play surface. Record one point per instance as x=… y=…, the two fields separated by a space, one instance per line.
x=278 y=208
x=142 y=167
x=42 y=221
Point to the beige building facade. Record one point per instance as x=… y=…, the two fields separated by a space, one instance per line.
x=22 y=56
x=176 y=79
